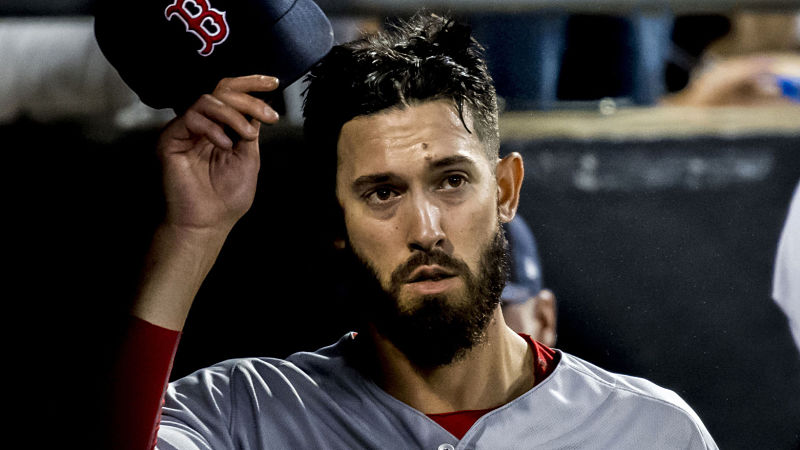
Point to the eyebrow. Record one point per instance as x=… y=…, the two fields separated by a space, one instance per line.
x=451 y=161
x=365 y=181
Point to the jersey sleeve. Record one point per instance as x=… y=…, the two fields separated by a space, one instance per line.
x=786 y=282
x=197 y=412
x=140 y=377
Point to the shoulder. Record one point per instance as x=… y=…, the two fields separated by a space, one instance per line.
x=302 y=368
x=631 y=403
x=636 y=387
x=252 y=399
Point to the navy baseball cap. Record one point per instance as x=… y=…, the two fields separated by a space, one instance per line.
x=525 y=277
x=170 y=52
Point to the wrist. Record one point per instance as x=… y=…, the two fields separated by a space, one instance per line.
x=177 y=264
x=192 y=238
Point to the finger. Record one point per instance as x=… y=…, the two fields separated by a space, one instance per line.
x=255 y=123
x=250 y=83
x=225 y=114
x=249 y=105
x=198 y=124
x=250 y=148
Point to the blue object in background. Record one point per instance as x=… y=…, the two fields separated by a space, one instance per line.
x=790 y=87
x=523 y=51
x=651 y=45
x=525 y=274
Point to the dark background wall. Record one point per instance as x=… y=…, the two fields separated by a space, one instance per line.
x=665 y=276
x=661 y=254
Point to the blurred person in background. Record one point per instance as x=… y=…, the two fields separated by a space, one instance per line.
x=755 y=63
x=527 y=307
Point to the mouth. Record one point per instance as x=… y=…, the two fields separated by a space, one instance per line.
x=429 y=273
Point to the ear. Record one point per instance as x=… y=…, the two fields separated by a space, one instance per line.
x=510 y=172
x=545 y=314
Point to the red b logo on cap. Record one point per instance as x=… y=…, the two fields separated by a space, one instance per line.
x=202 y=20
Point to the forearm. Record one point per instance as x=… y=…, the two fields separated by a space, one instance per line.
x=176 y=265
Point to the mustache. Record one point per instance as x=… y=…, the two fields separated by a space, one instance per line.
x=435 y=257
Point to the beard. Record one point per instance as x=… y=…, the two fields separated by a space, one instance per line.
x=432 y=330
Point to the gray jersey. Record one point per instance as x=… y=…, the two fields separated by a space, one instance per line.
x=786 y=278
x=318 y=401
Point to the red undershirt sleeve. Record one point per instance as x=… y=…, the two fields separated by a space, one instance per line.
x=140 y=377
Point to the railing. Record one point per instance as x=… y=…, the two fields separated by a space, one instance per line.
x=585 y=6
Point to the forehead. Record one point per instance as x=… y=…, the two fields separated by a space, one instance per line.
x=426 y=131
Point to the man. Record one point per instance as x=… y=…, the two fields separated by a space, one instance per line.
x=528 y=308
x=408 y=120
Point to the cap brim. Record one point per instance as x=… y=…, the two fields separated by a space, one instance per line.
x=306 y=36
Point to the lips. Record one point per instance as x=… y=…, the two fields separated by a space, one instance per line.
x=429 y=273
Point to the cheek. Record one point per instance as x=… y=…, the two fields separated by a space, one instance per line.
x=473 y=223
x=371 y=240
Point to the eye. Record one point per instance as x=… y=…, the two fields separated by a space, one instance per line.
x=453 y=181
x=383 y=194
x=380 y=196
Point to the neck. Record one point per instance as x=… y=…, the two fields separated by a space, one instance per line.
x=494 y=372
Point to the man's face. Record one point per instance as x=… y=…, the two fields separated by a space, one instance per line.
x=420 y=202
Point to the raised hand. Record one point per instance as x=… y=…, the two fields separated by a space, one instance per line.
x=209 y=183
x=210 y=176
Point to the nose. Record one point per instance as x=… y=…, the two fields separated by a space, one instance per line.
x=424 y=225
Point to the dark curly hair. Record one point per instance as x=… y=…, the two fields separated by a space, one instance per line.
x=427 y=57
